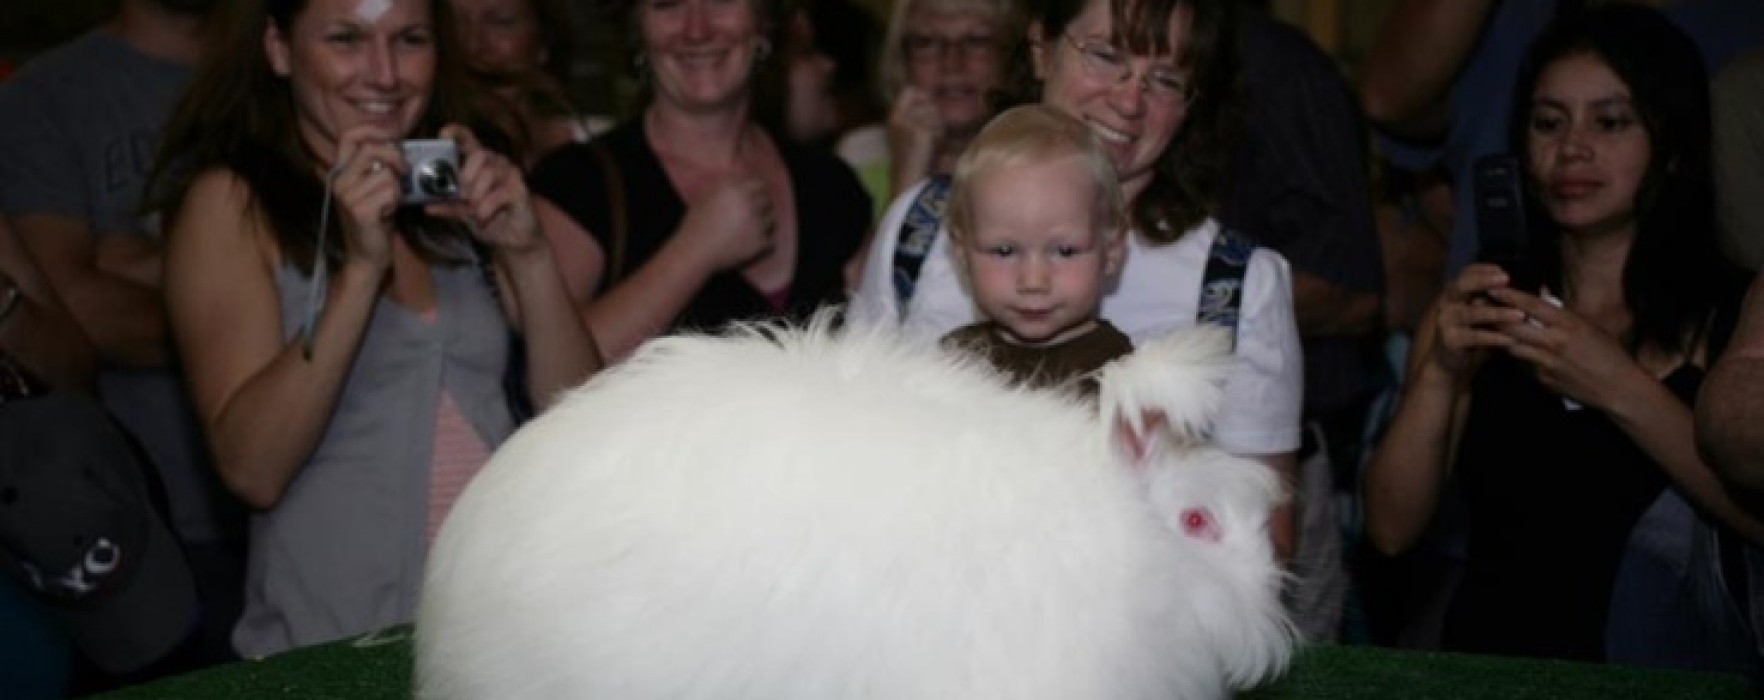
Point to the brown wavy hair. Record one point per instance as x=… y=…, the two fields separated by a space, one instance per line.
x=240 y=116
x=1189 y=176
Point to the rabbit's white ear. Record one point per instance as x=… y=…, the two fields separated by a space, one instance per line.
x=1180 y=378
x=1138 y=440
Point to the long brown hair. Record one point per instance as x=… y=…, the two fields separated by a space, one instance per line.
x=1189 y=176
x=240 y=116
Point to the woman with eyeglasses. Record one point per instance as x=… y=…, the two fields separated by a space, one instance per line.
x=942 y=69
x=941 y=63
x=1152 y=79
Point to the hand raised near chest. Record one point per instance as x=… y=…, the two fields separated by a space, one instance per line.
x=914 y=128
x=730 y=220
x=1573 y=356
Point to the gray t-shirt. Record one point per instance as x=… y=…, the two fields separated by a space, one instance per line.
x=78 y=130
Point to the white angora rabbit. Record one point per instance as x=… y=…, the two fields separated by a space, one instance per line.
x=808 y=513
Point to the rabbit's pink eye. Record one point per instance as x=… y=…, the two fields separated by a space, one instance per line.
x=1198 y=522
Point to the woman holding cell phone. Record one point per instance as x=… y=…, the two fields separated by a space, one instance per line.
x=1564 y=415
x=343 y=325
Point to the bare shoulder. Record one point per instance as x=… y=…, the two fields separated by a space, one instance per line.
x=219 y=214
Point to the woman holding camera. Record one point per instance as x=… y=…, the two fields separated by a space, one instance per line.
x=692 y=214
x=346 y=351
x=1563 y=412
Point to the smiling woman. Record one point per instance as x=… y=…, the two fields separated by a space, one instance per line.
x=942 y=66
x=693 y=215
x=281 y=181
x=1152 y=80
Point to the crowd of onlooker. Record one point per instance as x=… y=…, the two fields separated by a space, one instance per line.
x=278 y=276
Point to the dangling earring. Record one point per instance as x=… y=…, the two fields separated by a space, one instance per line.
x=762 y=50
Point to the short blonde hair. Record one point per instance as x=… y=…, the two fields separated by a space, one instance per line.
x=1005 y=16
x=1035 y=133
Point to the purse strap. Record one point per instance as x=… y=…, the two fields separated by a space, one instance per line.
x=615 y=201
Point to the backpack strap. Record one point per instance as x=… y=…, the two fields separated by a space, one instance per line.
x=1221 y=298
x=917 y=232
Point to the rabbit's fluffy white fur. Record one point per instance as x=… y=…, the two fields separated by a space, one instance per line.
x=808 y=513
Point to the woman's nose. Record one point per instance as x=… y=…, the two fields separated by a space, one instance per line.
x=1127 y=95
x=1577 y=143
x=697 y=21
x=382 y=65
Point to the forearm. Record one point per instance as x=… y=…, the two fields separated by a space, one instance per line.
x=646 y=303
x=1283 y=522
x=124 y=321
x=1658 y=422
x=47 y=343
x=1730 y=408
x=265 y=431
x=904 y=172
x=560 y=351
x=1408 y=469
x=1326 y=309
x=133 y=258
x=1730 y=421
x=1418 y=53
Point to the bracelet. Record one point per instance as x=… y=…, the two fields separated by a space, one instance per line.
x=10 y=303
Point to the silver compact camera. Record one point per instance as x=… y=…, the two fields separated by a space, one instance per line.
x=434 y=171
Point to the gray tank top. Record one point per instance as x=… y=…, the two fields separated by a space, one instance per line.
x=342 y=553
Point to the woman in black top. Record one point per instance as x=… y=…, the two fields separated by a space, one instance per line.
x=1563 y=410
x=692 y=214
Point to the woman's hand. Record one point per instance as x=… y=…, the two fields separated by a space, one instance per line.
x=1468 y=322
x=493 y=199
x=914 y=128
x=1572 y=356
x=731 y=221
x=365 y=182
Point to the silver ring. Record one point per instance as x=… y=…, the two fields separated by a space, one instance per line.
x=375 y=166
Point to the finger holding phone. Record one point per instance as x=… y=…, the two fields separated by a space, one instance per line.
x=1572 y=355
x=1471 y=321
x=1556 y=341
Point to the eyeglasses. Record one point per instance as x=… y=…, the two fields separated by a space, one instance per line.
x=1104 y=61
x=924 y=48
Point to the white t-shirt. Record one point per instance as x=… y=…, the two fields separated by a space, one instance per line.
x=1157 y=293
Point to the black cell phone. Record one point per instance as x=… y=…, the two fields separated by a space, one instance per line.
x=1501 y=234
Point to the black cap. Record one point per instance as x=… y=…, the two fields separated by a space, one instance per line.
x=77 y=528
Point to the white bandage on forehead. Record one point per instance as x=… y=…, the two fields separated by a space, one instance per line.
x=371 y=11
